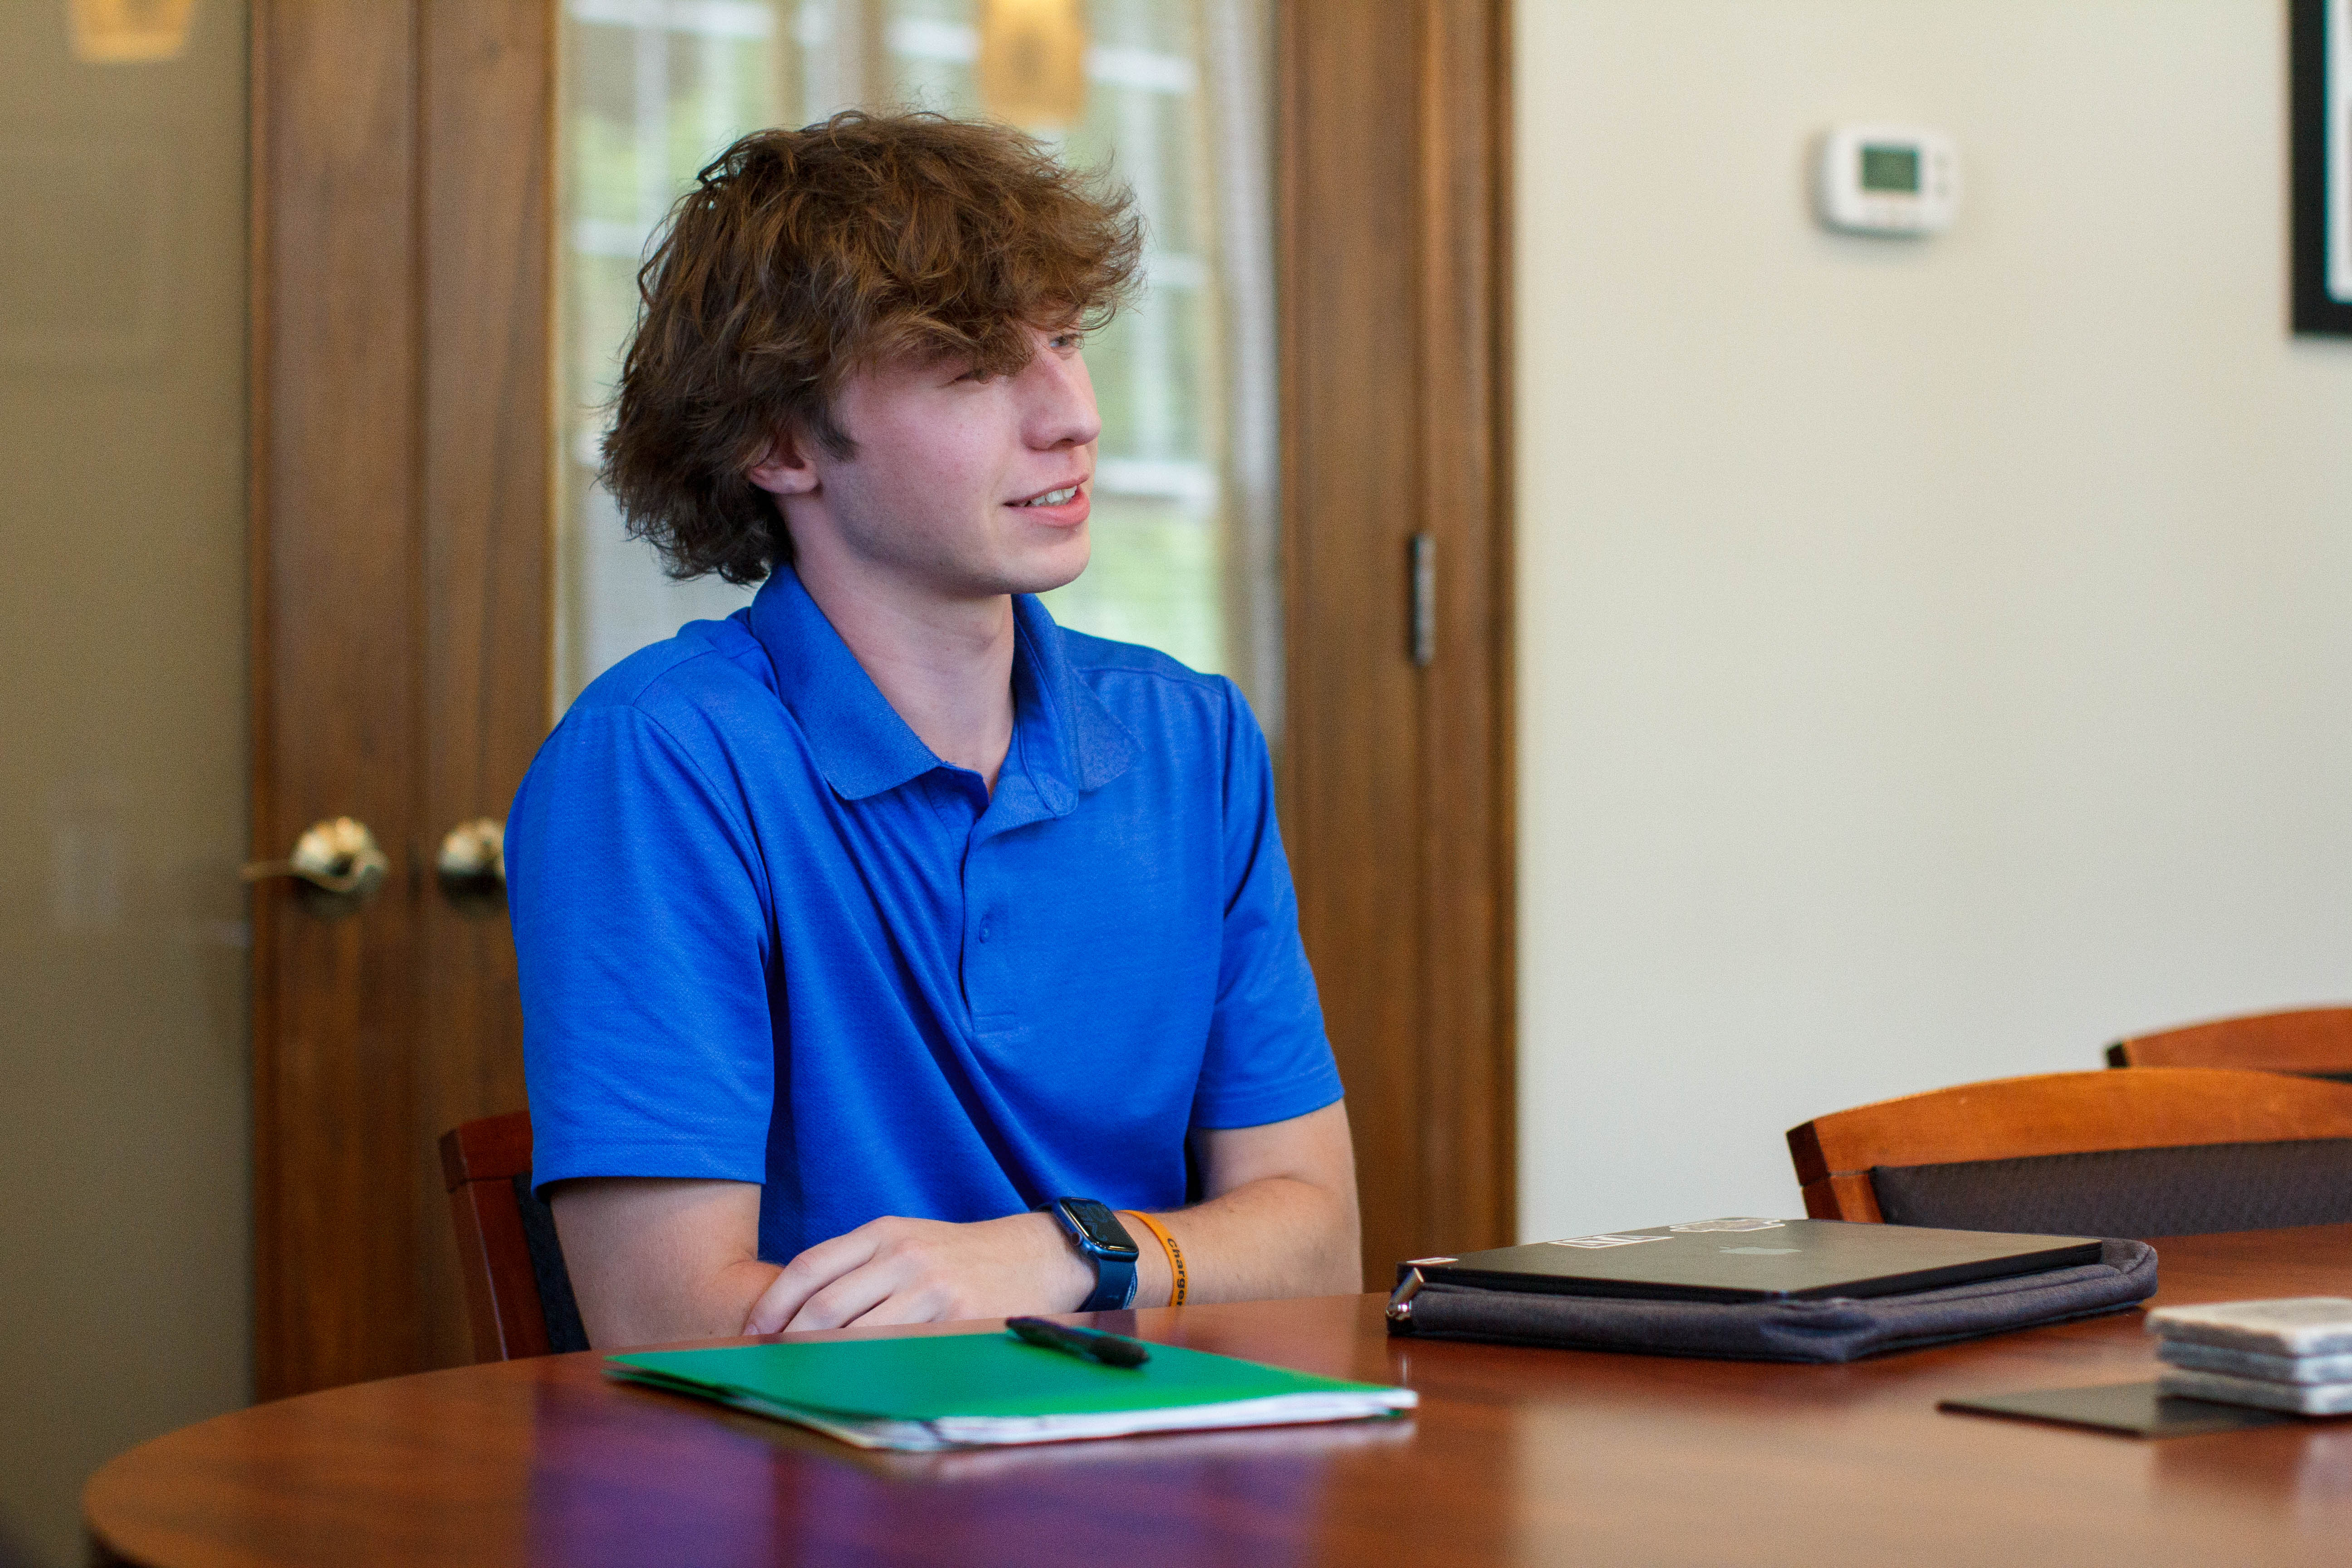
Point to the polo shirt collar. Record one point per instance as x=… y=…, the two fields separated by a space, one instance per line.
x=1068 y=742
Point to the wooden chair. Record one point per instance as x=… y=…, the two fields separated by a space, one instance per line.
x=2153 y=1152
x=518 y=1293
x=2314 y=1041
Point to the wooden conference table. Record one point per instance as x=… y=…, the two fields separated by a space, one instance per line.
x=1516 y=1455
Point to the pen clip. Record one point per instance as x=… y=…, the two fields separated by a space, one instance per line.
x=1399 y=1308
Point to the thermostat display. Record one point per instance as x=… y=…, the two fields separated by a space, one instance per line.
x=1889 y=179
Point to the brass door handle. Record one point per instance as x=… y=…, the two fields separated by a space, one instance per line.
x=471 y=865
x=338 y=856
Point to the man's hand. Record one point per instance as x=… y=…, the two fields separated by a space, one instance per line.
x=926 y=1271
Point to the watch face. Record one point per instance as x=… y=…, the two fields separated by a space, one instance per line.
x=1098 y=1229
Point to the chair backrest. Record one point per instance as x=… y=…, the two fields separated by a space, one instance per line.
x=518 y=1293
x=2153 y=1152
x=2314 y=1041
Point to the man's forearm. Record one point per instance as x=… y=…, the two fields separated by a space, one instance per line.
x=652 y=1261
x=1275 y=1237
x=655 y=1260
x=716 y=1306
x=1280 y=1219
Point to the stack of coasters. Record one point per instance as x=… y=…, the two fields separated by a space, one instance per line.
x=2290 y=1355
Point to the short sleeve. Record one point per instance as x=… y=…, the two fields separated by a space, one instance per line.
x=642 y=936
x=1268 y=1059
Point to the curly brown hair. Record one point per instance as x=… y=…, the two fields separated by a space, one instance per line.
x=801 y=255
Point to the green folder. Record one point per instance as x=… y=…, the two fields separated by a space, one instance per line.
x=945 y=1390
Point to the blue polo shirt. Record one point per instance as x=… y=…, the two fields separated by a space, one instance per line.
x=767 y=935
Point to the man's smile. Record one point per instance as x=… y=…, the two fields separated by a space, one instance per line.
x=1060 y=497
x=1065 y=506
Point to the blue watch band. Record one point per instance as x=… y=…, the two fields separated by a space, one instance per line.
x=1095 y=1230
x=1114 y=1285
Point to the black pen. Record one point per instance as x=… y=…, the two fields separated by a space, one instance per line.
x=1112 y=1349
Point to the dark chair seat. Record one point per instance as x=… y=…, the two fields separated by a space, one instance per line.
x=2140 y=1193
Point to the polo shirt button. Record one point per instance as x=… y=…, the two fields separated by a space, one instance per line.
x=983 y=930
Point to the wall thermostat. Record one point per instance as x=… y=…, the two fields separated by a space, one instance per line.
x=1889 y=179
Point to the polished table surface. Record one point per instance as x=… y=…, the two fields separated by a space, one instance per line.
x=1515 y=1455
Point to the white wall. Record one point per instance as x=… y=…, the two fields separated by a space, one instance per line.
x=1936 y=657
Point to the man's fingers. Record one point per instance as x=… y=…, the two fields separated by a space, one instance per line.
x=809 y=1273
x=900 y=1307
x=847 y=1299
x=899 y=1271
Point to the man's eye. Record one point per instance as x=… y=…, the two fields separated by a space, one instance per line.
x=1067 y=342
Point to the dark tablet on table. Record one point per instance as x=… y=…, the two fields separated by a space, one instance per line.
x=1758 y=1261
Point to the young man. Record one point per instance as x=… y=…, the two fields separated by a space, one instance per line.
x=862 y=929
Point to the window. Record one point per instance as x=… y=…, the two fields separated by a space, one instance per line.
x=1170 y=95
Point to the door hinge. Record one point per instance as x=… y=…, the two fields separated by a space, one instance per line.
x=1425 y=599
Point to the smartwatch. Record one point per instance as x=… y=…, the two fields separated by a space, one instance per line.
x=1096 y=1233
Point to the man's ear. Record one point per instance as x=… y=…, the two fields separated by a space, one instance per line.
x=786 y=470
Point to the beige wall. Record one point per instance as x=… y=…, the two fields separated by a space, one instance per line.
x=123 y=1237
x=1936 y=657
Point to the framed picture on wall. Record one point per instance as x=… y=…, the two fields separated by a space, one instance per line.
x=2320 y=100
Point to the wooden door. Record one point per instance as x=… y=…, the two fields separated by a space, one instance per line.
x=402 y=209
x=1398 y=783
x=402 y=201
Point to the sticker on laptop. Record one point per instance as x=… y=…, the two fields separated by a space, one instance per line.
x=1605 y=1240
x=1706 y=1227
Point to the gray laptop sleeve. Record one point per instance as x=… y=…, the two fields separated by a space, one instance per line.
x=1835 y=1329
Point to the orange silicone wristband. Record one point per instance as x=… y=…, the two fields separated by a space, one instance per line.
x=1167 y=1245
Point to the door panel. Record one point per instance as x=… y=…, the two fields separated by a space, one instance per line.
x=484 y=581
x=1350 y=812
x=334 y=684
x=1397 y=779
x=400 y=658
x=1467 y=1153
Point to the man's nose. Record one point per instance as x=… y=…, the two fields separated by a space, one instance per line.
x=1063 y=413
